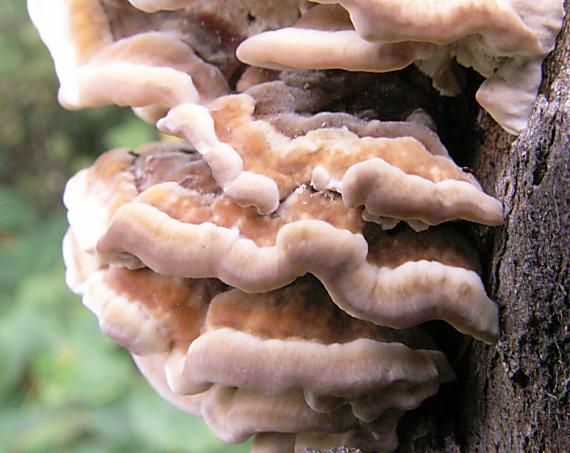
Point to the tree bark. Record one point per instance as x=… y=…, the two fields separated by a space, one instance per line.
x=513 y=396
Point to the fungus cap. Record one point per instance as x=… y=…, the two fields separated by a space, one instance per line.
x=158 y=317
x=414 y=181
x=328 y=40
x=274 y=192
x=175 y=231
x=236 y=414
x=505 y=40
x=147 y=69
x=186 y=227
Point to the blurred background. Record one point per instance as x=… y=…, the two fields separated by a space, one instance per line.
x=64 y=386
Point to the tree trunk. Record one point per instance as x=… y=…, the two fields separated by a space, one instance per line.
x=514 y=396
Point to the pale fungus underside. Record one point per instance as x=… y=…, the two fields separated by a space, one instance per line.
x=272 y=271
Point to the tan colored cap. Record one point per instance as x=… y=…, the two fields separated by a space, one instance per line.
x=258 y=165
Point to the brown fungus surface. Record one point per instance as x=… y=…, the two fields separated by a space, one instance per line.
x=373 y=359
x=147 y=313
x=504 y=40
x=388 y=169
x=265 y=233
x=93 y=195
x=109 y=52
x=186 y=228
x=187 y=329
x=150 y=70
x=165 y=53
x=182 y=232
x=159 y=318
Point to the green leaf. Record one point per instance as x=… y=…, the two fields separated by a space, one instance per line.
x=15 y=210
x=36 y=250
x=40 y=430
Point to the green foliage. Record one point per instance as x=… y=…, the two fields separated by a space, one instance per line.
x=64 y=386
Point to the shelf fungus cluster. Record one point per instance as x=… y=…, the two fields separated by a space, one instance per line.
x=271 y=270
x=506 y=41
x=165 y=53
x=299 y=327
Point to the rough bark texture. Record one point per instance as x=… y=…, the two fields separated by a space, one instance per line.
x=514 y=396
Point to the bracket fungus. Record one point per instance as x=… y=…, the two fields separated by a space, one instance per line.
x=272 y=271
x=179 y=223
x=325 y=376
x=386 y=169
x=506 y=41
x=323 y=371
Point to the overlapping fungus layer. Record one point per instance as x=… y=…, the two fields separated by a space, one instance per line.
x=198 y=288
x=272 y=271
